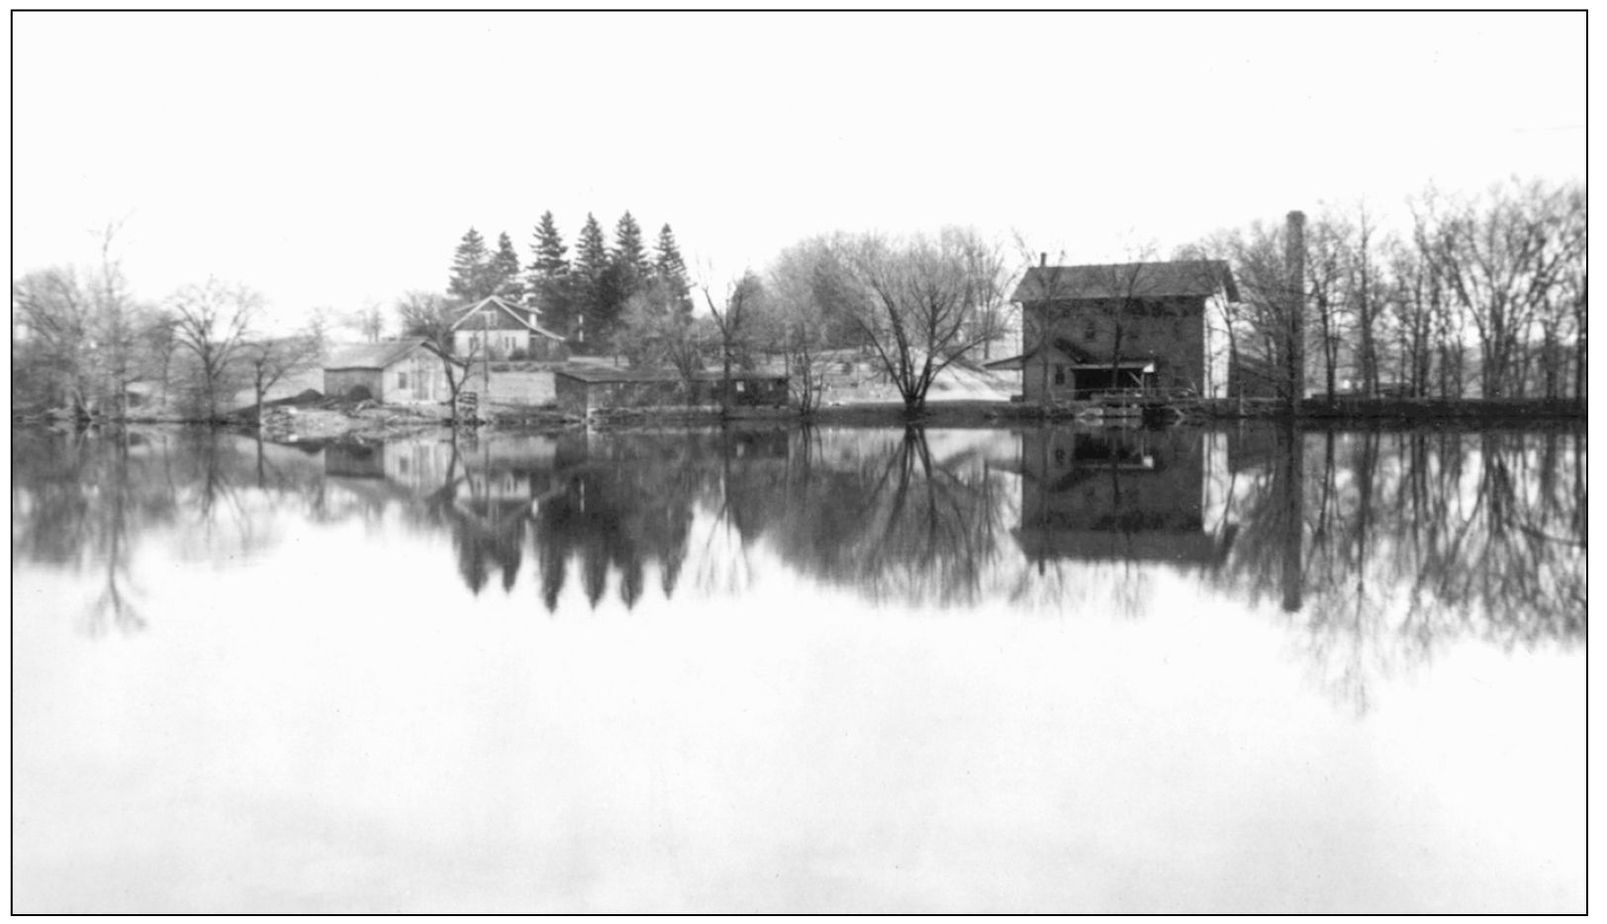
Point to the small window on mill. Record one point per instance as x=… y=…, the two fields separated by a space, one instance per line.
x=1060 y=375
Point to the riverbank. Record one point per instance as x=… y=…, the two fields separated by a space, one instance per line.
x=366 y=421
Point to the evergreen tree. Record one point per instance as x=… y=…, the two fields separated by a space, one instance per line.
x=549 y=259
x=670 y=271
x=504 y=271
x=548 y=281
x=471 y=268
x=630 y=254
x=589 y=274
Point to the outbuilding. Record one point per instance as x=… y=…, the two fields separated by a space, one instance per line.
x=392 y=372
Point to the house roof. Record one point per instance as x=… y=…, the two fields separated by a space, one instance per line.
x=375 y=355
x=1118 y=280
x=605 y=374
x=508 y=317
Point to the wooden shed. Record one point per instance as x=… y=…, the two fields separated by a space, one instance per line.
x=581 y=390
x=392 y=372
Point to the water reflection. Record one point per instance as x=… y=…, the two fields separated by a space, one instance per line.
x=1378 y=545
x=328 y=675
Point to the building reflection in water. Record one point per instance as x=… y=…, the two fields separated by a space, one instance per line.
x=1378 y=546
x=1131 y=495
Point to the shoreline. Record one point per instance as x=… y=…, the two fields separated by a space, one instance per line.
x=384 y=422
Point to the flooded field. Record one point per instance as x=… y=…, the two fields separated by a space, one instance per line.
x=788 y=670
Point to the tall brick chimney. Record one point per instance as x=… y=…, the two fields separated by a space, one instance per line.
x=1294 y=262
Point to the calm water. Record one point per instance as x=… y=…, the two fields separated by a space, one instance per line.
x=833 y=670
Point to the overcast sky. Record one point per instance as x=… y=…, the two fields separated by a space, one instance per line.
x=333 y=159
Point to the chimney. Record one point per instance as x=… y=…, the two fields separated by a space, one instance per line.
x=1294 y=261
x=1043 y=258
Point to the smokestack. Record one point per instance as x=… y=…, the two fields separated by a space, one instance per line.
x=1295 y=269
x=1043 y=258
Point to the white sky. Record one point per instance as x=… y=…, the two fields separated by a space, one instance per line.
x=330 y=159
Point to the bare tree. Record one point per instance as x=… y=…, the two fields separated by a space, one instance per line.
x=916 y=301
x=1327 y=248
x=431 y=315
x=158 y=334
x=1502 y=258
x=807 y=314
x=268 y=360
x=735 y=323
x=1123 y=285
x=1414 y=302
x=368 y=322
x=53 y=317
x=1365 y=297
x=211 y=323
x=117 y=319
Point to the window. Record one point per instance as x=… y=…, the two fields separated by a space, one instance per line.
x=1060 y=375
x=401 y=380
x=1089 y=330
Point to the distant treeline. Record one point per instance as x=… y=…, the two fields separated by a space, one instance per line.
x=1485 y=296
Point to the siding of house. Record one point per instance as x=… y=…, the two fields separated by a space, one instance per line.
x=416 y=378
x=1167 y=331
x=509 y=344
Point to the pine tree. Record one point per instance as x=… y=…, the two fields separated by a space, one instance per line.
x=670 y=271
x=629 y=255
x=470 y=268
x=588 y=274
x=504 y=271
x=548 y=253
x=548 y=281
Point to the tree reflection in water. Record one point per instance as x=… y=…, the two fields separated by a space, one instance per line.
x=86 y=500
x=1395 y=544
x=1380 y=546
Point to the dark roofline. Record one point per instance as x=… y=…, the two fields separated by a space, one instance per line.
x=1147 y=279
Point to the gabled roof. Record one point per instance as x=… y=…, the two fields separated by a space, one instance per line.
x=1127 y=280
x=375 y=355
x=520 y=318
